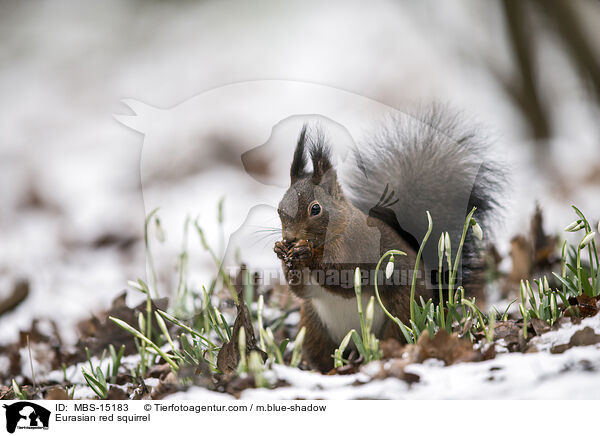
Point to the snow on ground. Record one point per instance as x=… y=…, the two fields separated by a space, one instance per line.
x=70 y=173
x=574 y=374
x=562 y=335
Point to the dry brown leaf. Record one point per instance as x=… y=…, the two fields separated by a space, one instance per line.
x=56 y=393
x=391 y=348
x=520 y=253
x=587 y=336
x=19 y=293
x=97 y=333
x=533 y=253
x=116 y=393
x=583 y=337
x=588 y=306
x=540 y=326
x=396 y=368
x=229 y=354
x=448 y=348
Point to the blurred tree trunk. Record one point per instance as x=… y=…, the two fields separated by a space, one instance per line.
x=523 y=88
x=564 y=20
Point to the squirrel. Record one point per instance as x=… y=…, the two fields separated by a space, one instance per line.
x=333 y=223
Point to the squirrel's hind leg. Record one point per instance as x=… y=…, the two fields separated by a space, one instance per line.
x=317 y=348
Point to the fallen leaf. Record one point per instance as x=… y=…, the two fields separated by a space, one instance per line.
x=521 y=256
x=98 y=332
x=588 y=306
x=448 y=348
x=540 y=326
x=116 y=393
x=159 y=371
x=56 y=393
x=534 y=253
x=396 y=368
x=229 y=354
x=391 y=348
x=586 y=336
x=19 y=293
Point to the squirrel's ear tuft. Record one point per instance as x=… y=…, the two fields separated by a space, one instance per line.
x=299 y=162
x=323 y=171
x=320 y=155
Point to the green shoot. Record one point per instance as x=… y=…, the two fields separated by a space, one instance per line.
x=297 y=352
x=19 y=394
x=145 y=339
x=416 y=270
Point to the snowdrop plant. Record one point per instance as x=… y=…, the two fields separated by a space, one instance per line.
x=366 y=343
x=441 y=251
x=297 y=352
x=267 y=340
x=424 y=315
x=476 y=229
x=256 y=368
x=417 y=260
x=96 y=378
x=195 y=335
x=19 y=394
x=338 y=359
x=544 y=307
x=389 y=269
x=576 y=277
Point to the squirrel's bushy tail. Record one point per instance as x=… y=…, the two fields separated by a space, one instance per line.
x=432 y=162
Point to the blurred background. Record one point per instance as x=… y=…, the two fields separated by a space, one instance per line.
x=72 y=211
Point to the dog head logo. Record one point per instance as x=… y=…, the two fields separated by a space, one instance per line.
x=26 y=415
x=255 y=126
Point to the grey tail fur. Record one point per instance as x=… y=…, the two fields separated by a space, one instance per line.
x=428 y=162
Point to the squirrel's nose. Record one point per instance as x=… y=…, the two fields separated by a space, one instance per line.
x=290 y=236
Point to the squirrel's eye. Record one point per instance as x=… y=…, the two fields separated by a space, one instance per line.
x=315 y=209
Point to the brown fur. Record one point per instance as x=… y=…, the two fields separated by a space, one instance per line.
x=317 y=348
x=331 y=242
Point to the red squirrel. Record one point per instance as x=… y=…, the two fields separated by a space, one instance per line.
x=408 y=167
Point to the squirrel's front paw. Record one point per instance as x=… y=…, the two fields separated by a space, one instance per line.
x=299 y=254
x=295 y=254
x=302 y=249
x=281 y=250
